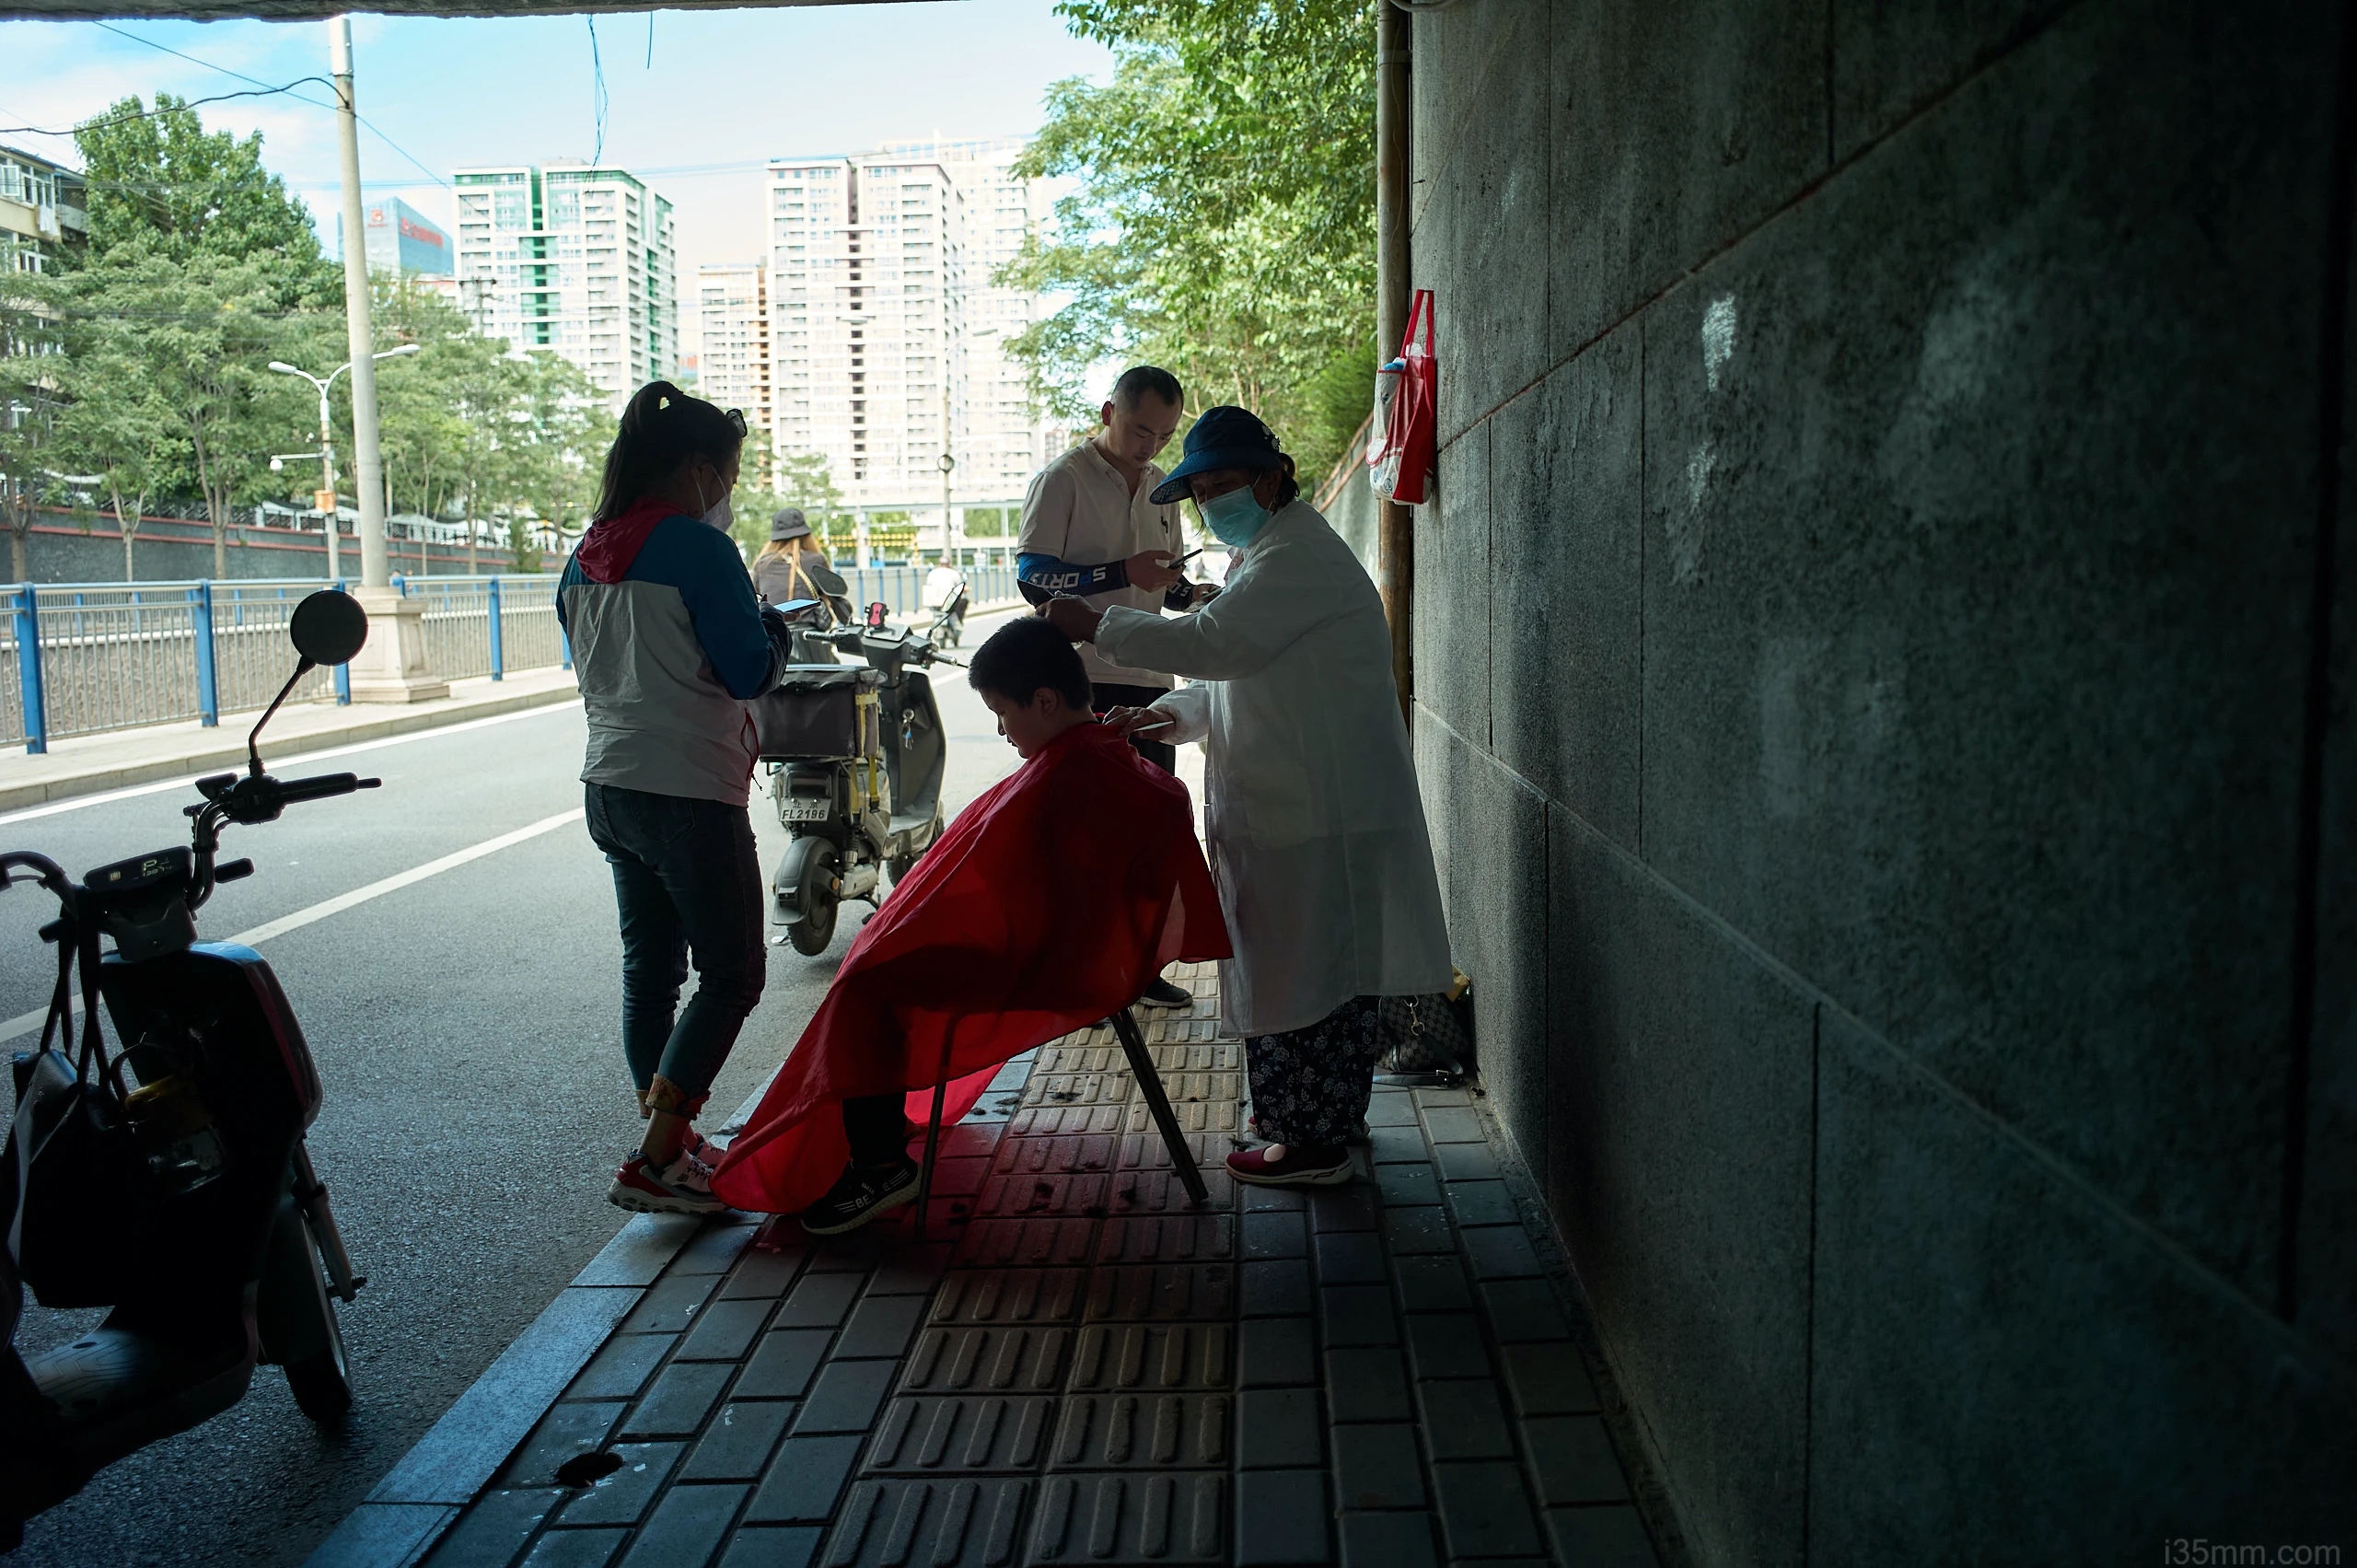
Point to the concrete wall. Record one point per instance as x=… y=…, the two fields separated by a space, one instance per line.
x=1883 y=578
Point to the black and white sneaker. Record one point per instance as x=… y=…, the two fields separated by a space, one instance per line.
x=1160 y=992
x=860 y=1196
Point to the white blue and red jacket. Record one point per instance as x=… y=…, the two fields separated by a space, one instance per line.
x=668 y=644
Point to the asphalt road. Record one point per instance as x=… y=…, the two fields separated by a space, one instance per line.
x=467 y=1029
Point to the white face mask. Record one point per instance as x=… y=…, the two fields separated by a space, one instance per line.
x=720 y=515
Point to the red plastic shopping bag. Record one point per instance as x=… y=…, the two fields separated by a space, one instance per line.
x=1407 y=407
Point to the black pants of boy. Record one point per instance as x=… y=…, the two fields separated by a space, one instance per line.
x=1105 y=696
x=878 y=1126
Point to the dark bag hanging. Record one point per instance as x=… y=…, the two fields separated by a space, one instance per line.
x=77 y=1187
x=1427 y=1036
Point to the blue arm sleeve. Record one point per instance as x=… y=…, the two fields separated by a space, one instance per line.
x=747 y=648
x=1067 y=577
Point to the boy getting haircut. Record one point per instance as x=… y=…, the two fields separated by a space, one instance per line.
x=1025 y=656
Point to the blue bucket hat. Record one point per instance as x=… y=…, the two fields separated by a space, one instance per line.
x=1225 y=437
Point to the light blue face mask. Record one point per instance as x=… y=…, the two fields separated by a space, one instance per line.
x=1234 y=519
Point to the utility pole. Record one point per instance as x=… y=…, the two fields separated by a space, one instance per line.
x=947 y=462
x=391 y=668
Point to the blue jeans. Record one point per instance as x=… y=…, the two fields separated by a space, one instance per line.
x=688 y=879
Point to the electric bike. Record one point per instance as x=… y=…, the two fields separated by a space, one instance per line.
x=168 y=1179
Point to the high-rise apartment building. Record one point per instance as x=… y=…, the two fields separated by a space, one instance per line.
x=733 y=315
x=885 y=332
x=574 y=260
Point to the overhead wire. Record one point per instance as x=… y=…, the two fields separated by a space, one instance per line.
x=597 y=93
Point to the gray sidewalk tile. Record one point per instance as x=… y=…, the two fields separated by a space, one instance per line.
x=1274 y=1353
x=739 y=1441
x=1500 y=1252
x=1430 y=1098
x=1009 y=1295
x=1167 y=1238
x=819 y=1301
x=988 y=1360
x=1610 y=1536
x=495 y=1529
x=1483 y=1511
x=670 y=1305
x=620 y=1369
x=1390 y=1108
x=640 y=1250
x=1405 y=1185
x=687 y=1528
x=1132 y=1293
x=622 y=1497
x=1466 y=1162
x=1446 y=1345
x=943 y=1524
x=682 y=1396
x=1432 y=1284
x=1549 y=1380
x=1350 y=1258
x=1109 y=1431
x=1423 y=1229
x=566 y=1430
x=1367 y=1385
x=1161 y=1192
x=1281 y=1518
x=377 y=1533
x=1398 y=1145
x=942 y=1434
x=1572 y=1457
x=1523 y=1310
x=576 y=1549
x=1273 y=1199
x=881 y=1326
x=1279 y=1429
x=1480 y=1202
x=716 y=1248
x=1275 y=1234
x=1454 y=1126
x=1358 y=1315
x=845 y=1397
x=1177 y=1357
x=1278 y=1289
x=761 y=1273
x=1378 y=1467
x=723 y=1330
x=1358 y=1206
x=910 y=1270
x=771 y=1546
x=784 y=1364
x=803 y=1481
x=1463 y=1419
x=1389 y=1540
x=1127 y=1518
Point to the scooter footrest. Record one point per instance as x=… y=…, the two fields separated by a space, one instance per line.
x=119 y=1390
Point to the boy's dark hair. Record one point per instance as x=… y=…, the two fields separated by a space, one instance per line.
x=1024 y=655
x=1139 y=379
x=661 y=427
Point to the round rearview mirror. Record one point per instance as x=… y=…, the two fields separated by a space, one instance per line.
x=328 y=627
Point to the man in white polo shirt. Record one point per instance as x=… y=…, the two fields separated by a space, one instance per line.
x=1091 y=527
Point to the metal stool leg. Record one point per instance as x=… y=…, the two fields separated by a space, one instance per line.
x=932 y=1126
x=1182 y=1159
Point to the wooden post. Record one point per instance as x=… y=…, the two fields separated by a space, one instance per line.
x=1395 y=557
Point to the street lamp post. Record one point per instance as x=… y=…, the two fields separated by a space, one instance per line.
x=326 y=496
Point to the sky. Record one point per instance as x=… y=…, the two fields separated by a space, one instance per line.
x=727 y=89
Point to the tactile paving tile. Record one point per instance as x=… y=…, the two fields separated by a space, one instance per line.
x=1144 y=1150
x=1009 y=1295
x=1161 y=1192
x=944 y=1433
x=1048 y=1154
x=1196 y=1116
x=987 y=1360
x=1027 y=1243
x=1066 y=1121
x=1078 y=1088
x=1177 y=1357
x=1045 y=1194
x=1081 y=1057
x=1188 y=1084
x=943 y=1524
x=1115 y=1431
x=1203 y=1056
x=1140 y=1293
x=1167 y=1238
x=1130 y=1519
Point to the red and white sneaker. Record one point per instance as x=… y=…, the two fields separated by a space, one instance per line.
x=1280 y=1165
x=683 y=1186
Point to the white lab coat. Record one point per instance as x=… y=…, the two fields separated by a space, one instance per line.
x=1315 y=828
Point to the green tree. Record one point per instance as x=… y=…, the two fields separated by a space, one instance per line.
x=1224 y=220
x=801 y=479
x=118 y=428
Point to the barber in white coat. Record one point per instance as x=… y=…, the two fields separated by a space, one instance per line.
x=1316 y=831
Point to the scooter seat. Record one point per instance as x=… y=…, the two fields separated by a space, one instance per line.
x=829 y=676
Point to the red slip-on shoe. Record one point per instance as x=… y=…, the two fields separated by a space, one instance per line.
x=1279 y=1164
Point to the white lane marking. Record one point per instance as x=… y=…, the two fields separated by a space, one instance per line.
x=26 y=1023
x=282 y=766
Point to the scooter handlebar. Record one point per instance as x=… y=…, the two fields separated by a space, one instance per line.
x=323 y=785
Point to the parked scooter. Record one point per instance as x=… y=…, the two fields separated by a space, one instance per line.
x=856 y=755
x=168 y=1180
x=948 y=628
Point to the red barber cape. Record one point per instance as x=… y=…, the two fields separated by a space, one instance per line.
x=1054 y=900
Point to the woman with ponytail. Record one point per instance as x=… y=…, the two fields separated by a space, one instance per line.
x=669 y=644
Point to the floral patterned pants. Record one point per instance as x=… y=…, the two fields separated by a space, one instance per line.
x=1310 y=1086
